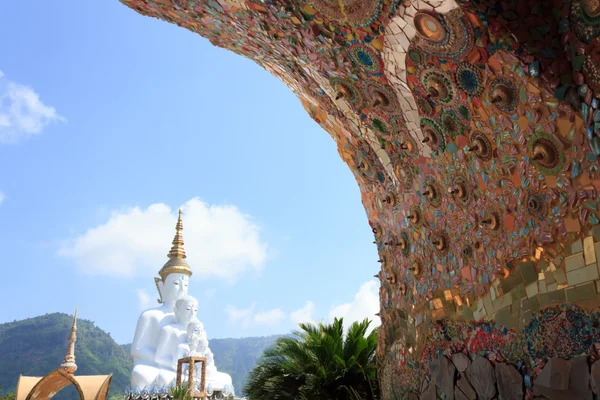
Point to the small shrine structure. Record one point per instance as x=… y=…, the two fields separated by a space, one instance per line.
x=89 y=387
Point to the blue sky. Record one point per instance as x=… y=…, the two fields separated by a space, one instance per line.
x=135 y=118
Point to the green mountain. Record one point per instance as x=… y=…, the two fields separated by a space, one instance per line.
x=237 y=357
x=37 y=346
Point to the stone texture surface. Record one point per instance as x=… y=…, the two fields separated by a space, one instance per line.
x=554 y=375
x=595 y=377
x=579 y=378
x=461 y=361
x=430 y=392
x=510 y=382
x=442 y=373
x=464 y=388
x=481 y=376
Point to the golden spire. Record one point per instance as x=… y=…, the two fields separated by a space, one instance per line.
x=68 y=364
x=176 y=263
x=177 y=251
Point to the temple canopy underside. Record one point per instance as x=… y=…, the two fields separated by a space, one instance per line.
x=472 y=127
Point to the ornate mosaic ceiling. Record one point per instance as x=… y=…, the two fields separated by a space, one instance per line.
x=473 y=130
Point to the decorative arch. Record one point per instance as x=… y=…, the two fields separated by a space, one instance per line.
x=53 y=383
x=89 y=387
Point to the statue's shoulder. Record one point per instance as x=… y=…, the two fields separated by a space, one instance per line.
x=152 y=314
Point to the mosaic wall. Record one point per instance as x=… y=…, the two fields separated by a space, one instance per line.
x=473 y=130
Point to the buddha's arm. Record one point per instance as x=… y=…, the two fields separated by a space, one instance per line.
x=162 y=357
x=137 y=350
x=183 y=350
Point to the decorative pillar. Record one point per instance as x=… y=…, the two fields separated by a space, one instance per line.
x=191 y=362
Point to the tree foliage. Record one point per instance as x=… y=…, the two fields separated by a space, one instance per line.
x=318 y=363
x=37 y=346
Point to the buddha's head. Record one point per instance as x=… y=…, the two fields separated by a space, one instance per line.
x=185 y=309
x=175 y=274
x=172 y=287
x=196 y=335
x=195 y=328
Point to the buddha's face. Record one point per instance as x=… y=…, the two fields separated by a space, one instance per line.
x=174 y=287
x=186 y=311
x=195 y=329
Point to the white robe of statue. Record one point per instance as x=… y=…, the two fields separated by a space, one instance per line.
x=145 y=340
x=171 y=338
x=183 y=338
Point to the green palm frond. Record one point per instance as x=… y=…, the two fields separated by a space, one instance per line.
x=181 y=392
x=319 y=362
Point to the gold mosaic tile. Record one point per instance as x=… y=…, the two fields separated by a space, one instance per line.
x=582 y=292
x=502 y=301
x=560 y=276
x=532 y=289
x=514 y=316
x=528 y=272
x=488 y=305
x=534 y=303
x=544 y=299
x=589 y=252
x=542 y=286
x=549 y=277
x=581 y=275
x=558 y=260
x=518 y=293
x=576 y=247
x=596 y=232
x=574 y=262
x=511 y=281
x=503 y=316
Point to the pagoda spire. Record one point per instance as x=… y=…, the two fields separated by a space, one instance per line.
x=176 y=262
x=68 y=364
x=177 y=251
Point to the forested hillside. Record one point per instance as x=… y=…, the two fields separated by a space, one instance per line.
x=37 y=346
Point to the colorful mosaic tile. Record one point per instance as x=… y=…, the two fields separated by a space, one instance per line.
x=473 y=130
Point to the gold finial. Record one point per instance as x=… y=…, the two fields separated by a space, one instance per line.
x=68 y=364
x=176 y=263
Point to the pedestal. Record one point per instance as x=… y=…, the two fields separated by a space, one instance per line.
x=192 y=361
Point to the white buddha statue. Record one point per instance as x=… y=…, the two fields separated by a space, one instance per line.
x=172 y=285
x=173 y=341
x=181 y=339
x=171 y=331
x=196 y=339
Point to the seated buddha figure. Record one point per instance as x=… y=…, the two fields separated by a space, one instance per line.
x=184 y=338
x=149 y=324
x=173 y=341
x=196 y=344
x=172 y=285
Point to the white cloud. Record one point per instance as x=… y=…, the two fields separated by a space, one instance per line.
x=241 y=316
x=272 y=317
x=364 y=305
x=22 y=113
x=304 y=314
x=247 y=317
x=144 y=299
x=2 y=196
x=220 y=242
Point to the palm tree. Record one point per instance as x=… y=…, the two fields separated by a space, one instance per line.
x=181 y=392
x=318 y=363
